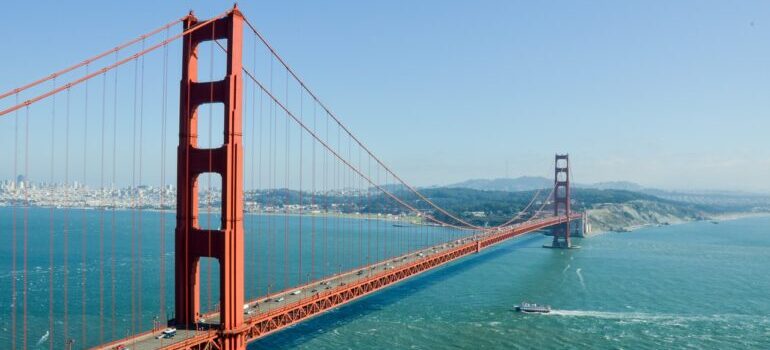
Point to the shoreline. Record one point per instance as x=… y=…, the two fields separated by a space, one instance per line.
x=717 y=218
x=404 y=219
x=738 y=216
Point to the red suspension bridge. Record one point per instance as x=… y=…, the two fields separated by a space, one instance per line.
x=281 y=212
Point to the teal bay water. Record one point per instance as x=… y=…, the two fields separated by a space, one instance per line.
x=133 y=251
x=696 y=286
x=692 y=286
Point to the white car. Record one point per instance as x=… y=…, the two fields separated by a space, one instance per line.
x=167 y=333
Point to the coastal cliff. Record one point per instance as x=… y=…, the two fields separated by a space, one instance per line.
x=621 y=217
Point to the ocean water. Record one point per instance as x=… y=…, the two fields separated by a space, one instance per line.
x=691 y=286
x=111 y=280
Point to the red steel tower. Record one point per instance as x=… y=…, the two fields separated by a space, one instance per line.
x=561 y=201
x=192 y=242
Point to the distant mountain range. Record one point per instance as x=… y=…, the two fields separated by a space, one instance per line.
x=615 y=185
x=524 y=183
x=528 y=183
x=725 y=200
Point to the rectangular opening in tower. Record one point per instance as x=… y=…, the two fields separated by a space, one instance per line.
x=212 y=59
x=209 y=201
x=211 y=124
x=209 y=285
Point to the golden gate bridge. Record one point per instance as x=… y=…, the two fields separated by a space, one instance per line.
x=286 y=209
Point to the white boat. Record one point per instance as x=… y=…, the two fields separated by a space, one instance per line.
x=533 y=308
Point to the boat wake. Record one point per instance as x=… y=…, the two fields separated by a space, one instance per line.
x=608 y=314
x=663 y=319
x=43 y=339
x=580 y=277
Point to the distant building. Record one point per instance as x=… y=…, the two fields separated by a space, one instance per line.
x=20 y=182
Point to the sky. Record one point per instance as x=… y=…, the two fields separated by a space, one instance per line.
x=667 y=94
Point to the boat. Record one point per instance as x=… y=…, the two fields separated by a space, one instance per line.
x=533 y=308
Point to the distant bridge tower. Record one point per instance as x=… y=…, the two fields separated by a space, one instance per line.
x=561 y=201
x=191 y=241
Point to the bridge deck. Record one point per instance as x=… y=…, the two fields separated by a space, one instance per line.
x=282 y=309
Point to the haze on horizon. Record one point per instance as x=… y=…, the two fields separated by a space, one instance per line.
x=667 y=95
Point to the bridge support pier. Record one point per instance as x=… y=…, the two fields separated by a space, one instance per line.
x=192 y=242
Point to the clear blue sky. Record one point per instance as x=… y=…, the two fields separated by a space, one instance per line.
x=670 y=94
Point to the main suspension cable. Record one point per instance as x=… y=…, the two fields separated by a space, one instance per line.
x=109 y=67
x=333 y=116
x=91 y=59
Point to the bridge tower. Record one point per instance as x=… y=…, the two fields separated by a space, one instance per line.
x=192 y=242
x=561 y=201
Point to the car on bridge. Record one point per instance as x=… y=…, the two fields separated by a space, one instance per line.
x=167 y=333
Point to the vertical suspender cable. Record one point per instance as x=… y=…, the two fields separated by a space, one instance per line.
x=113 y=238
x=261 y=223
x=313 y=202
x=348 y=253
x=348 y=221
x=101 y=212
x=360 y=217
x=51 y=335
x=299 y=221
x=66 y=216
x=139 y=195
x=368 y=215
x=327 y=203
x=388 y=239
x=26 y=218
x=271 y=185
x=262 y=203
x=259 y=179
x=13 y=224
x=269 y=191
x=252 y=214
x=338 y=226
x=83 y=238
x=286 y=197
x=164 y=121
x=133 y=201
x=377 y=229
